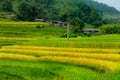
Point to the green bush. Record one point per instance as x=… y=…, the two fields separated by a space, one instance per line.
x=110 y=29
x=71 y=35
x=63 y=35
x=89 y=35
x=40 y=27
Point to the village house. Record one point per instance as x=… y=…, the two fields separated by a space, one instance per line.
x=40 y=20
x=7 y=15
x=59 y=23
x=90 y=31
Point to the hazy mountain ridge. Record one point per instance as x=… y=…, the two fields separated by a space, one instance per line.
x=105 y=9
x=60 y=4
x=102 y=7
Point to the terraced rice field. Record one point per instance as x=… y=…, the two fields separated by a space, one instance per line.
x=20 y=62
x=103 y=59
x=29 y=53
x=96 y=60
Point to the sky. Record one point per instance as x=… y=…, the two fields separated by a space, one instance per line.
x=113 y=3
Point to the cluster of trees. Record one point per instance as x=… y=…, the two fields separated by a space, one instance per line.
x=78 y=15
x=28 y=10
x=46 y=9
x=87 y=14
x=6 y=5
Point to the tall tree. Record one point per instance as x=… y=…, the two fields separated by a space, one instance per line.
x=26 y=12
x=87 y=14
x=79 y=25
x=7 y=5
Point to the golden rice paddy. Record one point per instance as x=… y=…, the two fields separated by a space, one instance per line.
x=107 y=59
x=21 y=23
x=85 y=50
x=112 y=57
x=6 y=56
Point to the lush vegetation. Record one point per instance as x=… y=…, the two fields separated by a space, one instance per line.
x=105 y=9
x=77 y=13
x=49 y=10
x=40 y=51
x=19 y=31
x=36 y=63
x=111 y=29
x=35 y=51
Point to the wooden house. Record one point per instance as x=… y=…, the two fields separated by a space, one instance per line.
x=90 y=31
x=59 y=23
x=40 y=20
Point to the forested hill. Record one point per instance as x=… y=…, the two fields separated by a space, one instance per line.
x=105 y=9
x=88 y=11
x=102 y=7
x=62 y=3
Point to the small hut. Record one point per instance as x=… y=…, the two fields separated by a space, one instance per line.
x=90 y=31
x=40 y=20
x=59 y=23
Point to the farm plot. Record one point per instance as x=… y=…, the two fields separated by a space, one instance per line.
x=31 y=53
x=101 y=59
x=53 y=63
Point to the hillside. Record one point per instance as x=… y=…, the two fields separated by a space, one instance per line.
x=102 y=7
x=99 y=6
x=65 y=3
x=108 y=12
x=59 y=9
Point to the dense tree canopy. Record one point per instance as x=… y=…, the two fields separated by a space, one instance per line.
x=26 y=12
x=85 y=13
x=79 y=25
x=7 y=5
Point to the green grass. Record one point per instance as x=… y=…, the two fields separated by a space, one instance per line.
x=3 y=19
x=102 y=41
x=47 y=71
x=29 y=31
x=112 y=76
x=22 y=70
x=50 y=36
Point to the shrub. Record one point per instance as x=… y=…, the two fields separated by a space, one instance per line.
x=89 y=35
x=63 y=35
x=97 y=23
x=111 y=29
x=39 y=26
x=71 y=35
